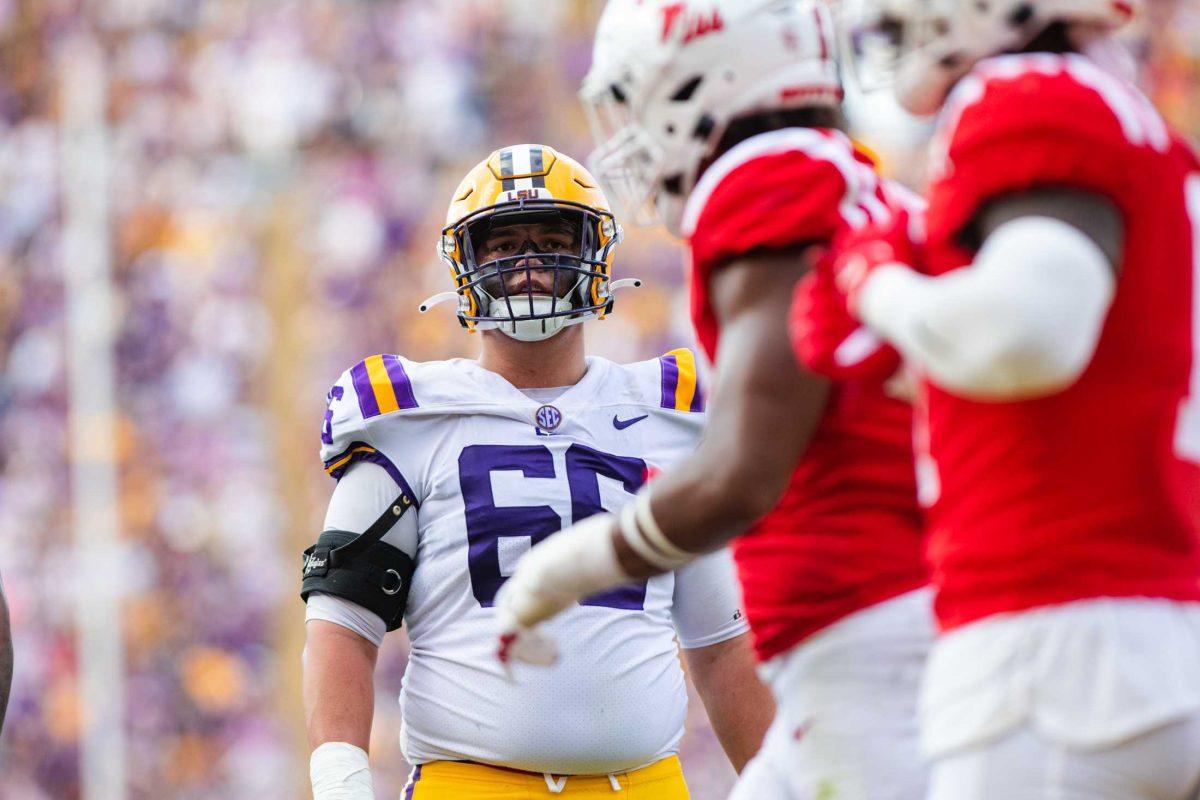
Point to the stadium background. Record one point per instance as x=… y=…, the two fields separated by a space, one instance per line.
x=277 y=177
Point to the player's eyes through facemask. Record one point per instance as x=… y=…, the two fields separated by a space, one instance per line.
x=553 y=234
x=526 y=257
x=511 y=244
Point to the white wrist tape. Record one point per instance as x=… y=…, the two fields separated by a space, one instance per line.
x=570 y=565
x=577 y=561
x=644 y=536
x=340 y=771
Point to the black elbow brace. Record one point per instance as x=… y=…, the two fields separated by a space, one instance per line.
x=362 y=569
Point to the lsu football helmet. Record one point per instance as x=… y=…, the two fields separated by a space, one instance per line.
x=529 y=290
x=923 y=47
x=669 y=76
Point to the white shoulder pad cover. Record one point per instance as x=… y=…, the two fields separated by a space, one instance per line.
x=375 y=386
x=668 y=387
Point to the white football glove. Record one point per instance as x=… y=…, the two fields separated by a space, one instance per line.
x=570 y=565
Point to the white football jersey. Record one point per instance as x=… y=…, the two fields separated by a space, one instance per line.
x=492 y=472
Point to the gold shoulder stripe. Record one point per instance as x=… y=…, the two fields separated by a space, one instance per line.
x=381 y=385
x=685 y=388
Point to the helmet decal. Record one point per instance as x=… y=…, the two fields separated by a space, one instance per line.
x=678 y=19
x=521 y=168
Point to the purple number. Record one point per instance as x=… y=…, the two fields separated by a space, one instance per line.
x=488 y=524
x=584 y=466
x=327 y=427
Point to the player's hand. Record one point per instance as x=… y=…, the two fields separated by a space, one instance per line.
x=519 y=644
x=558 y=572
x=861 y=252
x=828 y=341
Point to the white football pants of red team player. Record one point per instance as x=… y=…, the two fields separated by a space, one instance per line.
x=1091 y=700
x=846 y=724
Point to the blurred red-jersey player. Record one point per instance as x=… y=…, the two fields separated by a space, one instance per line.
x=847 y=533
x=832 y=577
x=1057 y=324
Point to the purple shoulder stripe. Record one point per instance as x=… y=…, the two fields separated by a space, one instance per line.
x=401 y=384
x=382 y=386
x=363 y=389
x=670 y=380
x=698 y=397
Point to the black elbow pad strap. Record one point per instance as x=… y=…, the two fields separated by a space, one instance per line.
x=376 y=579
x=362 y=568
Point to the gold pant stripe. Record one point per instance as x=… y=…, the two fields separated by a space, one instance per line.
x=457 y=780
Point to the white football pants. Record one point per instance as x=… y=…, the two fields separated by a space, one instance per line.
x=1163 y=764
x=846 y=724
x=1092 y=700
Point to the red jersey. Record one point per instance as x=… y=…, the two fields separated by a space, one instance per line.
x=847 y=533
x=1093 y=491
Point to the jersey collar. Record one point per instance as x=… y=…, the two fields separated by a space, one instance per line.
x=575 y=396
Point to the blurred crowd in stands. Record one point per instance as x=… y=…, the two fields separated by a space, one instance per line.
x=279 y=177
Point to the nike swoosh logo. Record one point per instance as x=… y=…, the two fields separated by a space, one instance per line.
x=622 y=424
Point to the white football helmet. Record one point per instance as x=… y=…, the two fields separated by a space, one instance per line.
x=923 y=47
x=668 y=77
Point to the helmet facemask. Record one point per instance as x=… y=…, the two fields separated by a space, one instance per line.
x=627 y=160
x=530 y=268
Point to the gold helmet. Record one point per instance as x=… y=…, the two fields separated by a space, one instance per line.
x=529 y=185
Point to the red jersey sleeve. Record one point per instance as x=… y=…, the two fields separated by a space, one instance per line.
x=768 y=203
x=779 y=190
x=1024 y=121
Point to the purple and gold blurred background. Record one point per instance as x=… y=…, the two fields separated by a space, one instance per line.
x=277 y=173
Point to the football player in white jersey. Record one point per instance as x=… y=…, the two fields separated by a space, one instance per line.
x=450 y=471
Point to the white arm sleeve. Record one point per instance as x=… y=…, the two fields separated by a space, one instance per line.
x=1022 y=321
x=707 y=606
x=363 y=493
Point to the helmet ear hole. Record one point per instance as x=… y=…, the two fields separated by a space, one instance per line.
x=673 y=184
x=1021 y=15
x=687 y=89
